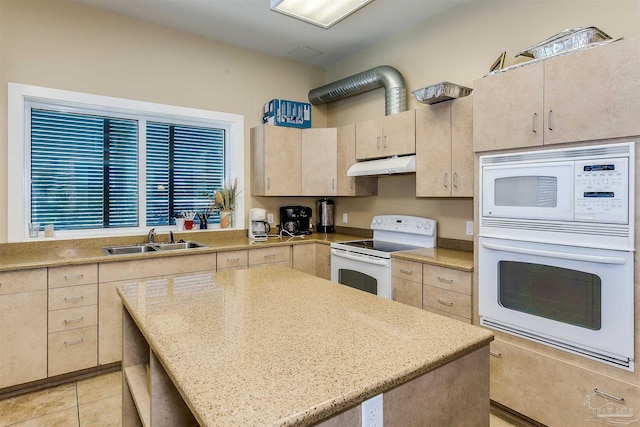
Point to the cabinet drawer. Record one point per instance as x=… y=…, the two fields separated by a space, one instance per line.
x=125 y=270
x=12 y=282
x=408 y=270
x=270 y=255
x=449 y=315
x=447 y=278
x=73 y=275
x=407 y=291
x=73 y=296
x=73 y=318
x=233 y=259
x=520 y=379
x=73 y=350
x=445 y=300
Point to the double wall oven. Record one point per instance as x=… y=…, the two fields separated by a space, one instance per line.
x=556 y=248
x=366 y=264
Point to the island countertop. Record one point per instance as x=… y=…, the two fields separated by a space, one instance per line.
x=274 y=346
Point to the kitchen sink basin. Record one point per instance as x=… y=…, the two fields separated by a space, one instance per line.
x=130 y=249
x=150 y=247
x=176 y=246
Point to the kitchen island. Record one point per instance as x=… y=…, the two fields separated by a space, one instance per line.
x=272 y=346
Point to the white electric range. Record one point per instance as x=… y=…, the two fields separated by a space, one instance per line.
x=366 y=264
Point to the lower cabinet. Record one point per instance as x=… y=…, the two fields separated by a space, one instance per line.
x=232 y=260
x=447 y=291
x=304 y=258
x=72 y=350
x=23 y=326
x=406 y=282
x=280 y=255
x=557 y=393
x=323 y=261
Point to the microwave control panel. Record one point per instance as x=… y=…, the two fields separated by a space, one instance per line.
x=602 y=191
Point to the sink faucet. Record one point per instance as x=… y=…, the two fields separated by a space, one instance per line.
x=151 y=235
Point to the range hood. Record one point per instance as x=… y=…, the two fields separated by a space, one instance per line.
x=389 y=166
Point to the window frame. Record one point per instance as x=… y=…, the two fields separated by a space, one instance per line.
x=20 y=99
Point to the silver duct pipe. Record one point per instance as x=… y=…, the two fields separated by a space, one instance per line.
x=383 y=76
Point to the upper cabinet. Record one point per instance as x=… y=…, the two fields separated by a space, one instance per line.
x=351 y=185
x=393 y=135
x=275 y=161
x=588 y=95
x=444 y=149
x=319 y=161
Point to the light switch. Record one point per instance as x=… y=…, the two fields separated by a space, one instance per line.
x=345 y=218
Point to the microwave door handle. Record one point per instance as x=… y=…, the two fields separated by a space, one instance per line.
x=552 y=254
x=368 y=260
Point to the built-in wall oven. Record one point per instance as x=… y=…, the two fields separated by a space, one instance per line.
x=366 y=264
x=555 y=255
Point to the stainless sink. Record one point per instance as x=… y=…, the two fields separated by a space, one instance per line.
x=129 y=249
x=150 y=247
x=176 y=246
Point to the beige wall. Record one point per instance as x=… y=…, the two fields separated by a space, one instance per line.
x=459 y=46
x=60 y=44
x=63 y=45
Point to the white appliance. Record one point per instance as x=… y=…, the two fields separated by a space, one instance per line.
x=555 y=249
x=366 y=264
x=258 y=225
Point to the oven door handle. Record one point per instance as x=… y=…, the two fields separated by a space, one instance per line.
x=361 y=258
x=552 y=254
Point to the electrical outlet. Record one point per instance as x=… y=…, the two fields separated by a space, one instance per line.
x=345 y=218
x=270 y=218
x=372 y=412
x=469 y=228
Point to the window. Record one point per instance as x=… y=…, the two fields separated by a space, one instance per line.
x=95 y=165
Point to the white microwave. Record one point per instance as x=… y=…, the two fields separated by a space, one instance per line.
x=579 y=191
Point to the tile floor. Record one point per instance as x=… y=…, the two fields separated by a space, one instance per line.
x=96 y=402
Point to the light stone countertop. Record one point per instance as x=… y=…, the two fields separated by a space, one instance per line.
x=272 y=346
x=459 y=260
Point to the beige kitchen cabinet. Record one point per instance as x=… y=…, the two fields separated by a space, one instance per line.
x=113 y=274
x=393 y=135
x=319 y=162
x=444 y=149
x=406 y=282
x=557 y=393
x=323 y=261
x=72 y=342
x=583 y=96
x=304 y=258
x=275 y=158
x=23 y=326
x=232 y=260
x=272 y=255
x=447 y=291
x=351 y=185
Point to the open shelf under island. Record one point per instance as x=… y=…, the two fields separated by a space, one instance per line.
x=272 y=346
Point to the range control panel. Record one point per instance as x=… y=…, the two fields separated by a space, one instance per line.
x=404 y=224
x=602 y=191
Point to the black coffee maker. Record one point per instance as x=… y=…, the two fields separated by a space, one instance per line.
x=295 y=220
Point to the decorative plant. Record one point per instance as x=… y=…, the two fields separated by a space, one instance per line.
x=224 y=198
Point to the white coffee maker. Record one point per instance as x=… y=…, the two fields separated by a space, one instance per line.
x=258 y=225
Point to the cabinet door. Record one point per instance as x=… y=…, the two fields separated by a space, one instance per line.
x=23 y=337
x=319 y=161
x=462 y=147
x=275 y=161
x=507 y=109
x=351 y=185
x=304 y=258
x=323 y=261
x=399 y=134
x=369 y=139
x=110 y=323
x=594 y=94
x=433 y=150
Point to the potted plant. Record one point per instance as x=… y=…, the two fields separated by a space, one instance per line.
x=224 y=200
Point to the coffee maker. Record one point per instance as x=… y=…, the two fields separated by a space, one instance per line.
x=295 y=220
x=258 y=225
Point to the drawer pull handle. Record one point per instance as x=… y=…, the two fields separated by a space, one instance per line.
x=72 y=342
x=270 y=256
x=70 y=299
x=533 y=122
x=549 y=120
x=74 y=277
x=76 y=320
x=233 y=259
x=445 y=302
x=405 y=271
x=443 y=280
x=602 y=393
x=495 y=353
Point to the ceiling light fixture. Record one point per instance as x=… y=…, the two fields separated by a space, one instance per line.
x=323 y=13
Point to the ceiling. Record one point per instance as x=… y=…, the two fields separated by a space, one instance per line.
x=251 y=24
